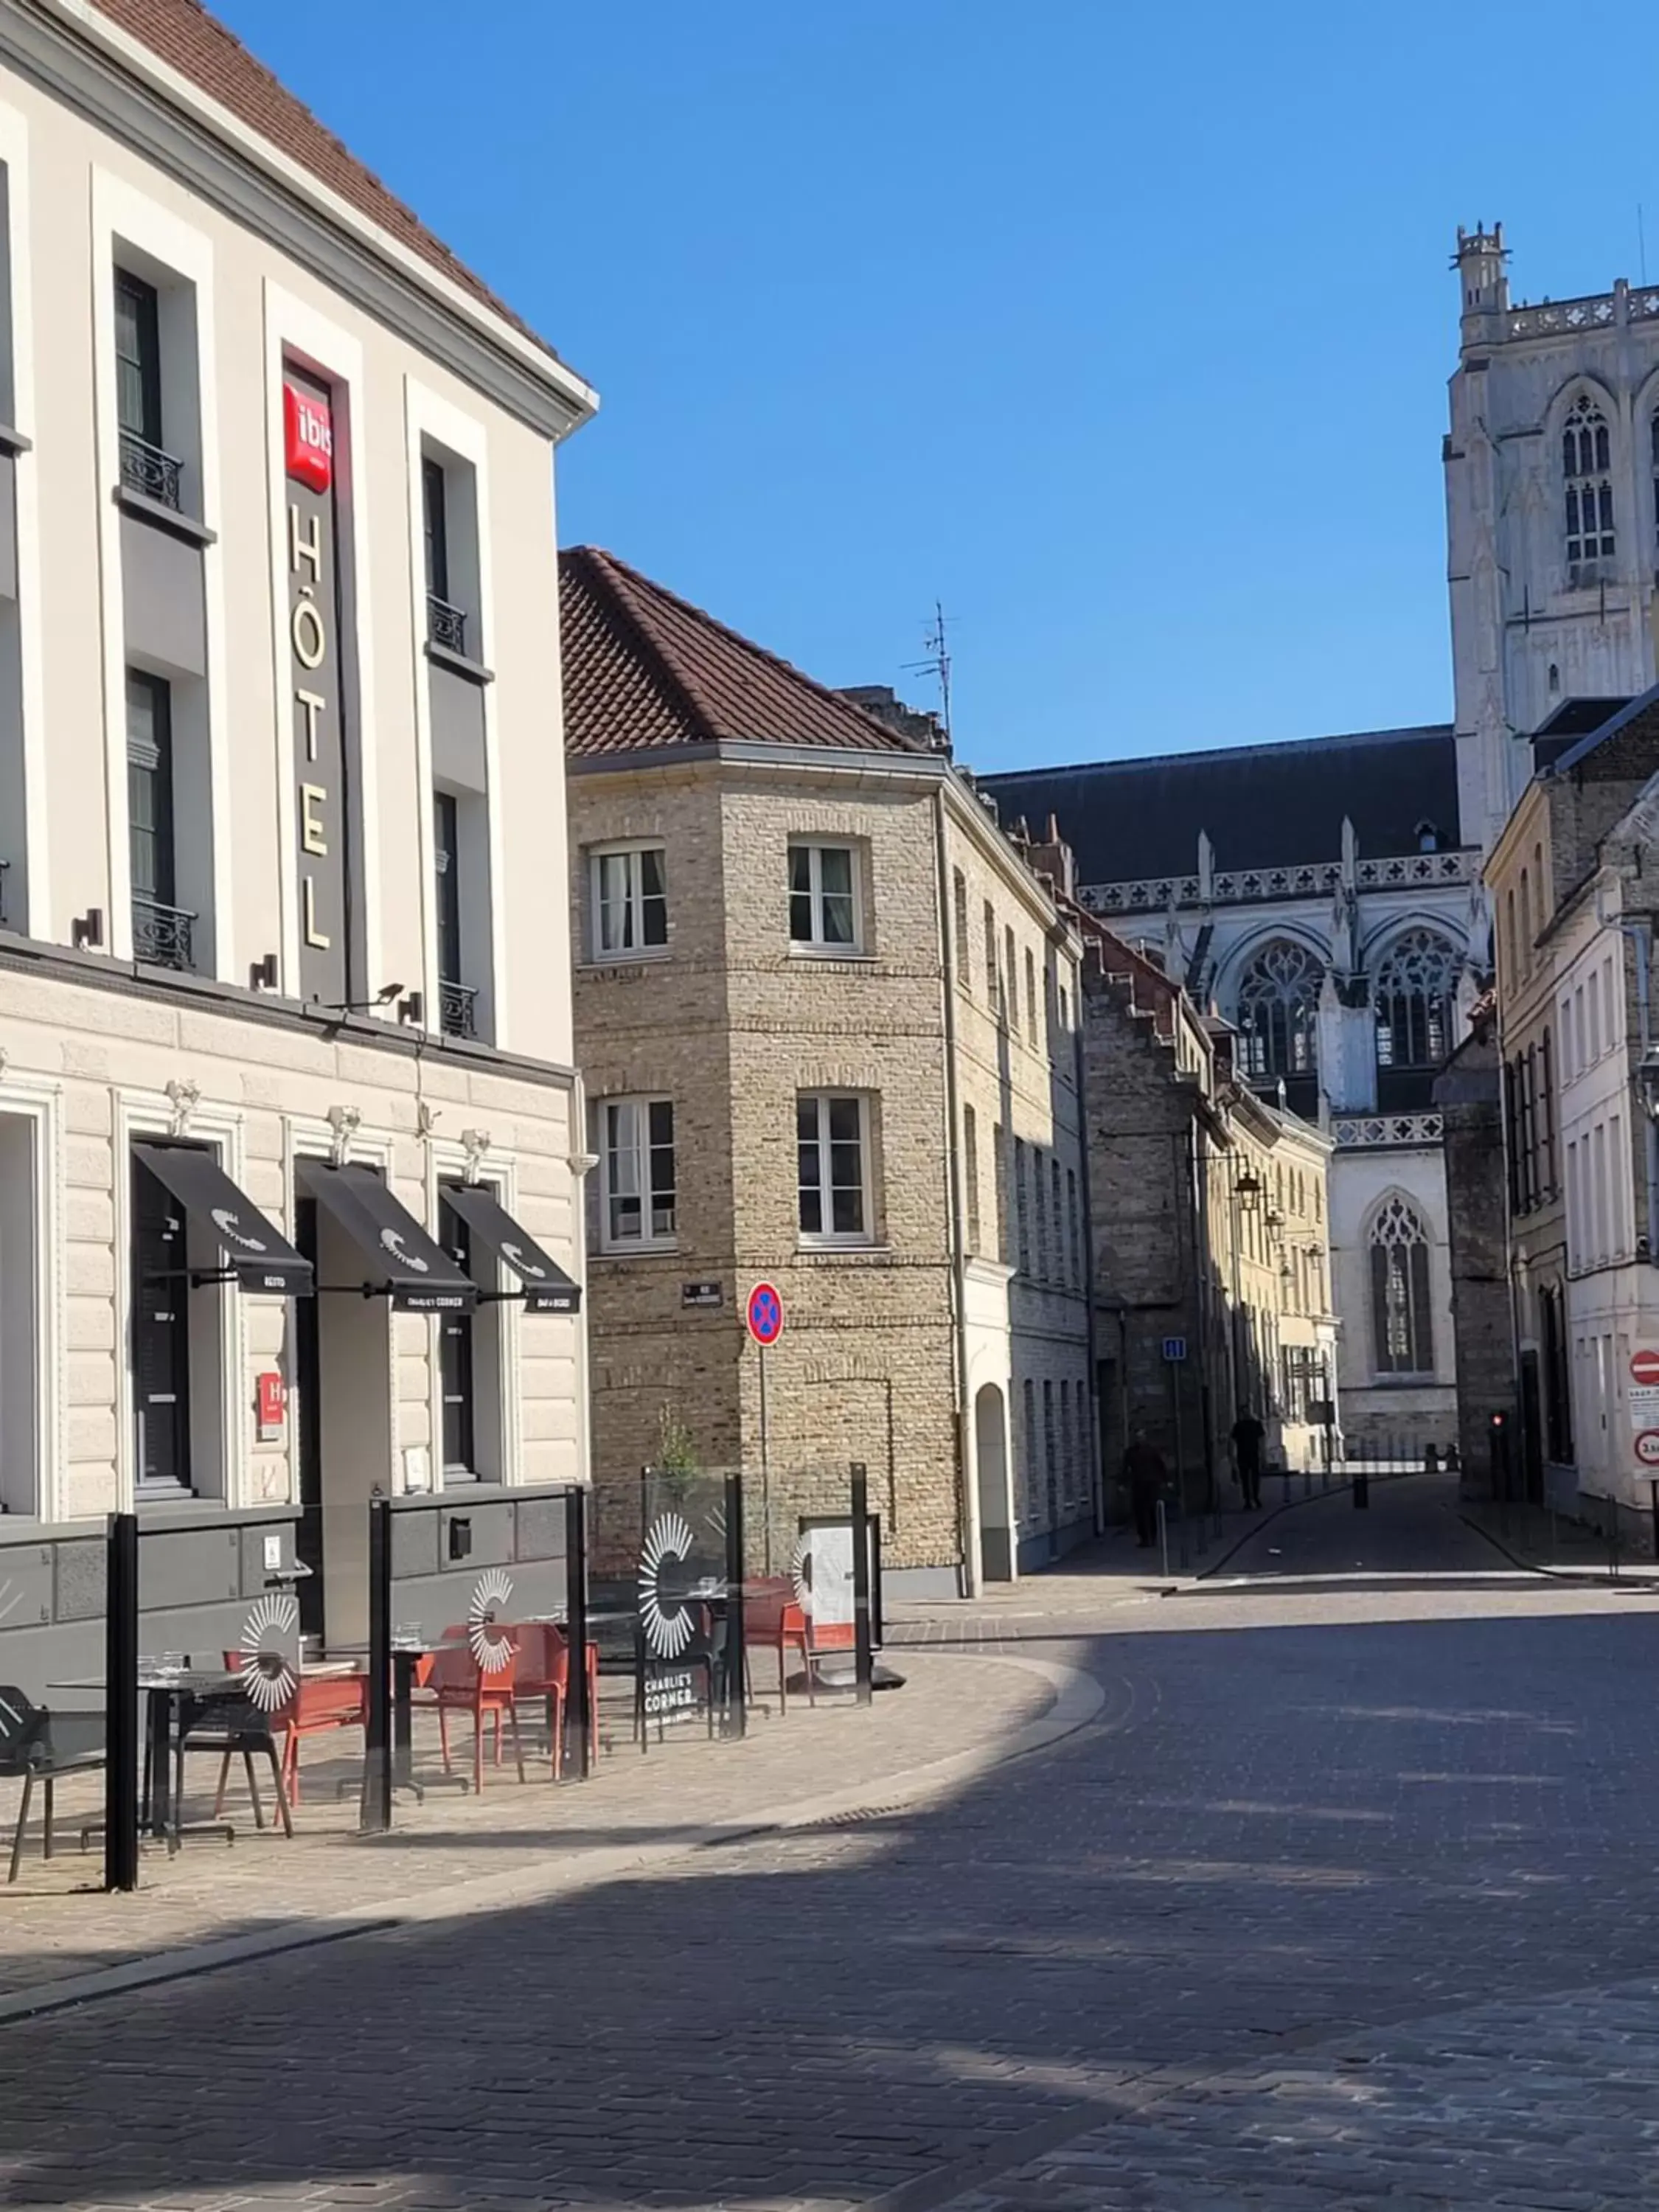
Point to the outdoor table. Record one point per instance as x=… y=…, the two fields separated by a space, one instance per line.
x=167 y=1692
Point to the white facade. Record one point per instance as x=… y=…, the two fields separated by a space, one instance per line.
x=240 y=775
x=1552 y=514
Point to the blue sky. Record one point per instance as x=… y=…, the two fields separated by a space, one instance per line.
x=1122 y=331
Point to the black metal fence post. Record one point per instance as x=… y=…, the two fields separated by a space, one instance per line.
x=736 y=1674
x=121 y=1704
x=582 y=1715
x=864 y=1660
x=375 y=1816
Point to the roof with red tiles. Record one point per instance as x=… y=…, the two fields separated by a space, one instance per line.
x=644 y=671
x=183 y=35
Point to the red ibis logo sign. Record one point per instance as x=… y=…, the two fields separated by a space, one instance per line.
x=308 y=437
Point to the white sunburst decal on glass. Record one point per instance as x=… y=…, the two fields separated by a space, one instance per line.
x=800 y=1572
x=667 y=1629
x=268 y=1675
x=492 y=1645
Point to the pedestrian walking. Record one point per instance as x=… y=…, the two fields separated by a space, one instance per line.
x=1248 y=1433
x=1146 y=1474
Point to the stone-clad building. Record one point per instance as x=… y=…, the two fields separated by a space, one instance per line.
x=1210 y=1226
x=284 y=967
x=828 y=1019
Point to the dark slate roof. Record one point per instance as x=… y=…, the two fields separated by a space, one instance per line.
x=1622 y=746
x=644 y=670
x=1572 y=720
x=1263 y=806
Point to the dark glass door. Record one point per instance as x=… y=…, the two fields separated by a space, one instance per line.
x=308 y=1407
x=160 y=1338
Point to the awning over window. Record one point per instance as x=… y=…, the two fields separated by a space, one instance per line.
x=258 y=1255
x=546 y=1286
x=405 y=1264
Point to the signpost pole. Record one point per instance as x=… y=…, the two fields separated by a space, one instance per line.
x=736 y=1718
x=375 y=1814
x=121 y=1704
x=863 y=1666
x=766 y=1468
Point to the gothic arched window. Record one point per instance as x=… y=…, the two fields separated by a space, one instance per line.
x=1401 y=1327
x=1278 y=1001
x=1587 y=476
x=1414 y=999
x=1654 y=429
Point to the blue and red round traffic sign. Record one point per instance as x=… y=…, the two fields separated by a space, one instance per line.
x=765 y=1314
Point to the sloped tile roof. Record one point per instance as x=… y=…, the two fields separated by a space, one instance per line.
x=182 y=34
x=644 y=670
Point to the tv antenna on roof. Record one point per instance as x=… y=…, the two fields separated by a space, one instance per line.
x=937 y=665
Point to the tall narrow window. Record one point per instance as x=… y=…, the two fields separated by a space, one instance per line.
x=999 y=1170
x=832 y=1143
x=161 y=931
x=435 y=511
x=1040 y=1210
x=1278 y=1004
x=1401 y=1316
x=1587 y=476
x=1050 y=1464
x=457 y=1001
x=160 y=1337
x=1058 y=1220
x=137 y=358
x=629 y=902
x=1030 y=996
x=637 y=1167
x=1027 y=1491
x=1010 y=981
x=455 y=1367
x=959 y=928
x=824 y=897
x=1653 y=433
x=1415 y=999
x=990 y=954
x=970 y=1174
x=1073 y=1238
x=1022 y=1207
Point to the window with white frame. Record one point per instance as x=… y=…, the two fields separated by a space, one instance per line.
x=959 y=925
x=824 y=912
x=991 y=954
x=630 y=901
x=1587 y=479
x=1030 y=996
x=637 y=1172
x=970 y=1174
x=1039 y=1208
x=21 y=1456
x=832 y=1135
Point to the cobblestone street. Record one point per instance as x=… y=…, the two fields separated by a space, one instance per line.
x=1344 y=1899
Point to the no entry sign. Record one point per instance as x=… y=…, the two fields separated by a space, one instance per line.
x=765 y=1315
x=1644 y=1370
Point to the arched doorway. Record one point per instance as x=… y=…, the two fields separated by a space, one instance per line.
x=996 y=1536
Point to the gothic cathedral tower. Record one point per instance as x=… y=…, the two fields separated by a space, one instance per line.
x=1552 y=515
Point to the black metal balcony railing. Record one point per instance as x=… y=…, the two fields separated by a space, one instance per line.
x=147 y=469
x=161 y=934
x=445 y=625
x=458 y=1009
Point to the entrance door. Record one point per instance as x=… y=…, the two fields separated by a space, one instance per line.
x=308 y=1410
x=996 y=1536
x=1532 y=1437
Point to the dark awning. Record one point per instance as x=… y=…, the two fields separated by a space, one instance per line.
x=259 y=1255
x=406 y=1265
x=546 y=1287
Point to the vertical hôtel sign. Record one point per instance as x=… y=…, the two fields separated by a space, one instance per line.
x=313 y=629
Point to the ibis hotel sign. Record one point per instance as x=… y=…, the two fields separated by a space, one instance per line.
x=320 y=810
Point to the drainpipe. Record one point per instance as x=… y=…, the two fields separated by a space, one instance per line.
x=967 y=1491
x=582 y=1163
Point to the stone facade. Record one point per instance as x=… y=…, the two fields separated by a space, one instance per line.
x=1469 y=1097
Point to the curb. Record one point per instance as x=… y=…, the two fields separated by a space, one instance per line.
x=1636 y=1580
x=1079 y=1700
x=1275 y=1513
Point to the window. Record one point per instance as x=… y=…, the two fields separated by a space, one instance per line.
x=959 y=928
x=20 y=1423
x=137 y=358
x=1415 y=999
x=990 y=954
x=1587 y=476
x=1278 y=1002
x=1027 y=1489
x=1546 y=1117
x=637 y=1165
x=455 y=1364
x=434 y=508
x=1030 y=996
x=999 y=1169
x=1073 y=1241
x=1050 y=1467
x=823 y=900
x=1059 y=1220
x=1402 y=1321
x=831 y=1136
x=457 y=1001
x=1022 y=1207
x=1557 y=1383
x=970 y=1173
x=1064 y=1012
x=1010 y=980
x=630 y=904
x=1526 y=923
x=160 y=1337
x=1039 y=1207
x=161 y=931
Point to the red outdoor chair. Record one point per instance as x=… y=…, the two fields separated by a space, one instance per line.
x=544 y=1672
x=775 y=1620
x=318 y=1705
x=458 y=1684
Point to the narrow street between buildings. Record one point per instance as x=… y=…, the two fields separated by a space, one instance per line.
x=1345 y=1898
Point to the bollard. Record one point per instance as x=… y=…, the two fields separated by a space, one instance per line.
x=1164 y=1536
x=1362 y=1491
x=1185 y=1555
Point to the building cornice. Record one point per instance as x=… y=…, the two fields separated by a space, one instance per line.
x=203 y=994
x=80 y=56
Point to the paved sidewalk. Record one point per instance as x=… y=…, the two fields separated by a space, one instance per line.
x=55 y=1923
x=1549 y=1543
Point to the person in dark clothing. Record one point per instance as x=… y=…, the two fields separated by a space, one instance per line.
x=1144 y=1468
x=1248 y=1433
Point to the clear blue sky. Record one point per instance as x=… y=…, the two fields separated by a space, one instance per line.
x=1122 y=330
